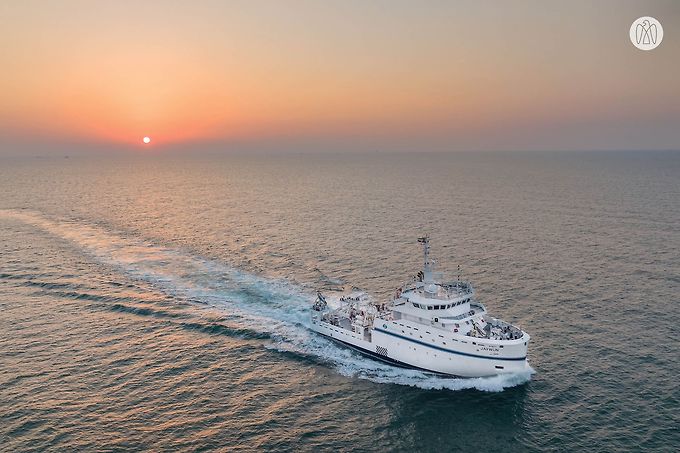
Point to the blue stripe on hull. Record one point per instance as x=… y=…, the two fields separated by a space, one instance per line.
x=388 y=360
x=447 y=350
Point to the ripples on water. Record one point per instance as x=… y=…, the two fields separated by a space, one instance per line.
x=162 y=304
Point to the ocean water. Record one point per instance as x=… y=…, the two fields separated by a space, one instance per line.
x=159 y=303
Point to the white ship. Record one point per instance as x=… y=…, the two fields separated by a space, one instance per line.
x=429 y=325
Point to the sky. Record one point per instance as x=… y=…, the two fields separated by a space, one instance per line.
x=293 y=75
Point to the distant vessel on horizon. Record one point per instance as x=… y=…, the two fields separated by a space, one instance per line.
x=429 y=324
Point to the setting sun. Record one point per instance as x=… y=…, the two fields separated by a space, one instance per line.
x=146 y=140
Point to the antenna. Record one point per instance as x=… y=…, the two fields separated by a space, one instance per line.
x=427 y=268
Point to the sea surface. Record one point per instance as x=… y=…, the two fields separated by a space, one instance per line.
x=160 y=302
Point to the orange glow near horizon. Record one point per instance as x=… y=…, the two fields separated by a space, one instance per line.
x=111 y=73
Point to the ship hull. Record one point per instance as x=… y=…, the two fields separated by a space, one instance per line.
x=434 y=354
x=385 y=359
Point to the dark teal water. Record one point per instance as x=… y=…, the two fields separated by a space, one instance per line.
x=159 y=303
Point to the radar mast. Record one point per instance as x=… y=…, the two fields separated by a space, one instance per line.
x=428 y=266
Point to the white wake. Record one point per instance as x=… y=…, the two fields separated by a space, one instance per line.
x=271 y=306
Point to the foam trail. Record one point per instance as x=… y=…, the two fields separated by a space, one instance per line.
x=271 y=306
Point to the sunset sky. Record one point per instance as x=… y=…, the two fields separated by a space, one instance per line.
x=336 y=75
